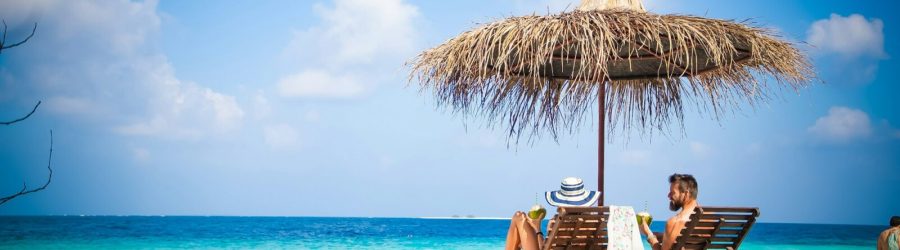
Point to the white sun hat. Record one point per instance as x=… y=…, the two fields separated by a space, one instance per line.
x=571 y=193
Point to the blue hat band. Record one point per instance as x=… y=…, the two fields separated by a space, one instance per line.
x=572 y=187
x=556 y=198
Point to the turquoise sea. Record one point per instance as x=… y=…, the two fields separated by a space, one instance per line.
x=142 y=232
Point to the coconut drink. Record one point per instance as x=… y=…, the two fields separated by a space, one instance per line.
x=537 y=211
x=644 y=216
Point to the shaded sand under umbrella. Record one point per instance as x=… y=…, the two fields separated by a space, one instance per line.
x=534 y=74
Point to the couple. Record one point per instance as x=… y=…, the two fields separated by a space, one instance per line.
x=525 y=232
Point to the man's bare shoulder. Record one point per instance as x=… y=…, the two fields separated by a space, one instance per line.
x=677 y=219
x=675 y=223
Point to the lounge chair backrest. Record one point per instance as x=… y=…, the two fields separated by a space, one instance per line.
x=578 y=228
x=716 y=228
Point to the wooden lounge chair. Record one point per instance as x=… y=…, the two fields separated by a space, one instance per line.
x=578 y=228
x=708 y=228
x=716 y=228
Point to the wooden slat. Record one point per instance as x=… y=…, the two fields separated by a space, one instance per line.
x=711 y=228
x=730 y=209
x=573 y=217
x=569 y=241
x=592 y=224
x=692 y=246
x=703 y=245
x=712 y=239
x=569 y=221
x=599 y=233
x=695 y=218
x=740 y=217
x=566 y=210
x=715 y=232
x=727 y=224
x=577 y=241
x=581 y=231
x=715 y=246
x=746 y=230
x=579 y=246
x=710 y=231
x=551 y=232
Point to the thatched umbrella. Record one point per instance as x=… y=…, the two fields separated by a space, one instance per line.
x=541 y=73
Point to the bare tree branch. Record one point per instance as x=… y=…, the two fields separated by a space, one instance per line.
x=25 y=190
x=3 y=42
x=23 y=118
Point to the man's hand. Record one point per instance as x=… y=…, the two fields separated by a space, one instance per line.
x=645 y=229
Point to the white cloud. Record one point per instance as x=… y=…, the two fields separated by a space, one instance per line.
x=317 y=83
x=281 y=136
x=850 y=36
x=853 y=45
x=842 y=124
x=358 y=31
x=151 y=127
x=261 y=106
x=228 y=113
x=187 y=110
x=356 y=39
x=99 y=62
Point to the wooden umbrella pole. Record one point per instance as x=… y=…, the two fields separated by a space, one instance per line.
x=592 y=5
x=600 y=142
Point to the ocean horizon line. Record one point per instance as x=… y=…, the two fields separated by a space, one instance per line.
x=366 y=217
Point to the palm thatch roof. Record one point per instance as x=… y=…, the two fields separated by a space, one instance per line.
x=541 y=73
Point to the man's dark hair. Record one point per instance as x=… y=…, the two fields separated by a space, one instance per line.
x=895 y=221
x=686 y=184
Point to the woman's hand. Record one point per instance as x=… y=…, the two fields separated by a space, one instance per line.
x=536 y=223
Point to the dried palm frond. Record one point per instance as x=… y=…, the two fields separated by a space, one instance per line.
x=541 y=73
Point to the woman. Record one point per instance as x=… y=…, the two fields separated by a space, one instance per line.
x=890 y=238
x=525 y=233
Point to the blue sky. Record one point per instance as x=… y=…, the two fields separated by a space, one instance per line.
x=303 y=109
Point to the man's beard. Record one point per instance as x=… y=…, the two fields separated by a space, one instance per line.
x=675 y=205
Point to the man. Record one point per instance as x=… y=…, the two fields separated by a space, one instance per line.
x=682 y=199
x=890 y=238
